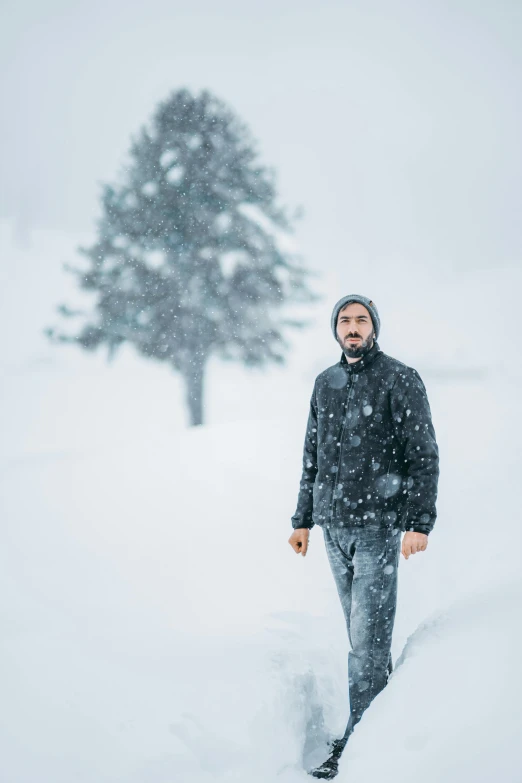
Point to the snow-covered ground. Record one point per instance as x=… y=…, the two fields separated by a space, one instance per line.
x=156 y=626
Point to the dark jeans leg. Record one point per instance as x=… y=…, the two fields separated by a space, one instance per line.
x=364 y=563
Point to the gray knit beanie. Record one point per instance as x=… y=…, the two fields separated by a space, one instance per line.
x=370 y=306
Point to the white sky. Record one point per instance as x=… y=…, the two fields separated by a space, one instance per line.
x=395 y=124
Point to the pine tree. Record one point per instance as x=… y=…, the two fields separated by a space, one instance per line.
x=189 y=260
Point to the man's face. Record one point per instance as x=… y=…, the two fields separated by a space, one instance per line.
x=354 y=330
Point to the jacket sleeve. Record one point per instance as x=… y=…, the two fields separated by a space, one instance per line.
x=303 y=514
x=414 y=428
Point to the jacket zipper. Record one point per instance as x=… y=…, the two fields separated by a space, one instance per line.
x=334 y=499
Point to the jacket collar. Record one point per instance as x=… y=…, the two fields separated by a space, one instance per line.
x=366 y=360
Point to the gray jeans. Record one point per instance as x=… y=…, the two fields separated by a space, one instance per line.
x=364 y=563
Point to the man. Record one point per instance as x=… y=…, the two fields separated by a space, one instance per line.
x=370 y=471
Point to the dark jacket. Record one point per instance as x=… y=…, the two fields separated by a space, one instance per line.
x=370 y=452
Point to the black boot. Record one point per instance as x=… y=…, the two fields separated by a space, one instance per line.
x=329 y=768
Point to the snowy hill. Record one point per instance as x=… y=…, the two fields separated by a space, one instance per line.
x=155 y=631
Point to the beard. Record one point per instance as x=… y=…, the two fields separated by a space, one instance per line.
x=356 y=351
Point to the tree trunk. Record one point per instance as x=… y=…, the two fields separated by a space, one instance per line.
x=194 y=392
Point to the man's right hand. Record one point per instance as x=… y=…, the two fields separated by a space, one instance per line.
x=299 y=540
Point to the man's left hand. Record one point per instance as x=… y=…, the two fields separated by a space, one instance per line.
x=413 y=542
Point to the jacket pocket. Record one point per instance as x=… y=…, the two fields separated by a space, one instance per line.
x=322 y=495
